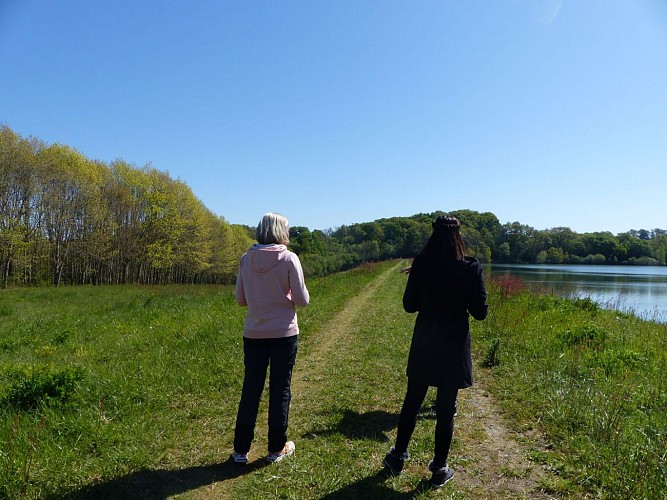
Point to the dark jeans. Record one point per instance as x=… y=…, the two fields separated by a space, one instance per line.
x=280 y=354
x=445 y=406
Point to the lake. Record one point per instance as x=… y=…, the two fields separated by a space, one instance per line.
x=641 y=290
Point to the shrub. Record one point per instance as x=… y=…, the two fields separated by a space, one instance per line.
x=586 y=304
x=30 y=392
x=617 y=361
x=643 y=261
x=491 y=358
x=553 y=303
x=588 y=335
x=597 y=259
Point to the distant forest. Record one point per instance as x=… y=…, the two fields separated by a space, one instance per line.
x=485 y=237
x=66 y=219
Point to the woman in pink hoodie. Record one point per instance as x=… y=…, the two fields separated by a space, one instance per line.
x=270 y=283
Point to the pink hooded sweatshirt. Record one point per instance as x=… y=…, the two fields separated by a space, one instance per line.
x=270 y=282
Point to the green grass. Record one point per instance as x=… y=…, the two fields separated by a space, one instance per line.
x=140 y=352
x=159 y=371
x=595 y=381
x=131 y=392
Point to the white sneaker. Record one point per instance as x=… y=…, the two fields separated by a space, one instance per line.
x=287 y=450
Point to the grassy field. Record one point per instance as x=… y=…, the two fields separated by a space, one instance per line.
x=595 y=381
x=131 y=392
x=102 y=385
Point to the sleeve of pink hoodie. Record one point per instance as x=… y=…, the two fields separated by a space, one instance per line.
x=240 y=289
x=300 y=295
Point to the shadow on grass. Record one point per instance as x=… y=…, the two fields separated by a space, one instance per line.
x=161 y=484
x=369 y=425
x=373 y=487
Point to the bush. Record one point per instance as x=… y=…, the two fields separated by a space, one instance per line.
x=643 y=261
x=6 y=310
x=597 y=259
x=491 y=357
x=617 y=361
x=30 y=392
x=588 y=335
x=587 y=304
x=553 y=303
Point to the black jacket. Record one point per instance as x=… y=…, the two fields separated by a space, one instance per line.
x=444 y=293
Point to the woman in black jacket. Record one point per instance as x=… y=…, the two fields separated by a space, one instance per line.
x=444 y=286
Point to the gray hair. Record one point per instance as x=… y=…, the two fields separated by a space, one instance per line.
x=273 y=228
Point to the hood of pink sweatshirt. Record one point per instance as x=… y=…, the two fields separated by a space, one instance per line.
x=263 y=258
x=271 y=283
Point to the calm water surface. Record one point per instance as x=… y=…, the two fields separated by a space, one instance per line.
x=641 y=290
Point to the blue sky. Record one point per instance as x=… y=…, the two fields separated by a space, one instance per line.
x=547 y=112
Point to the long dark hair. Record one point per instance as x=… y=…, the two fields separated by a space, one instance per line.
x=446 y=241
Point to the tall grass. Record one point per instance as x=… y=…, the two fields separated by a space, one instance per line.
x=97 y=383
x=594 y=380
x=138 y=353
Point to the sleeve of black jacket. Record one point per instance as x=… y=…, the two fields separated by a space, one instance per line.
x=477 y=306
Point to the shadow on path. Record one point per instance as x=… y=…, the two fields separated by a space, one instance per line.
x=162 y=484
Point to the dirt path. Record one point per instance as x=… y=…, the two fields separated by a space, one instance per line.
x=496 y=466
x=338 y=328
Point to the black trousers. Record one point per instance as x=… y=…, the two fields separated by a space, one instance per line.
x=258 y=355
x=445 y=406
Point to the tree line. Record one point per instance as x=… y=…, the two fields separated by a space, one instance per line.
x=486 y=239
x=66 y=219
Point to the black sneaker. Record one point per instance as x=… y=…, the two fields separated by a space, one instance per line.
x=394 y=461
x=441 y=475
